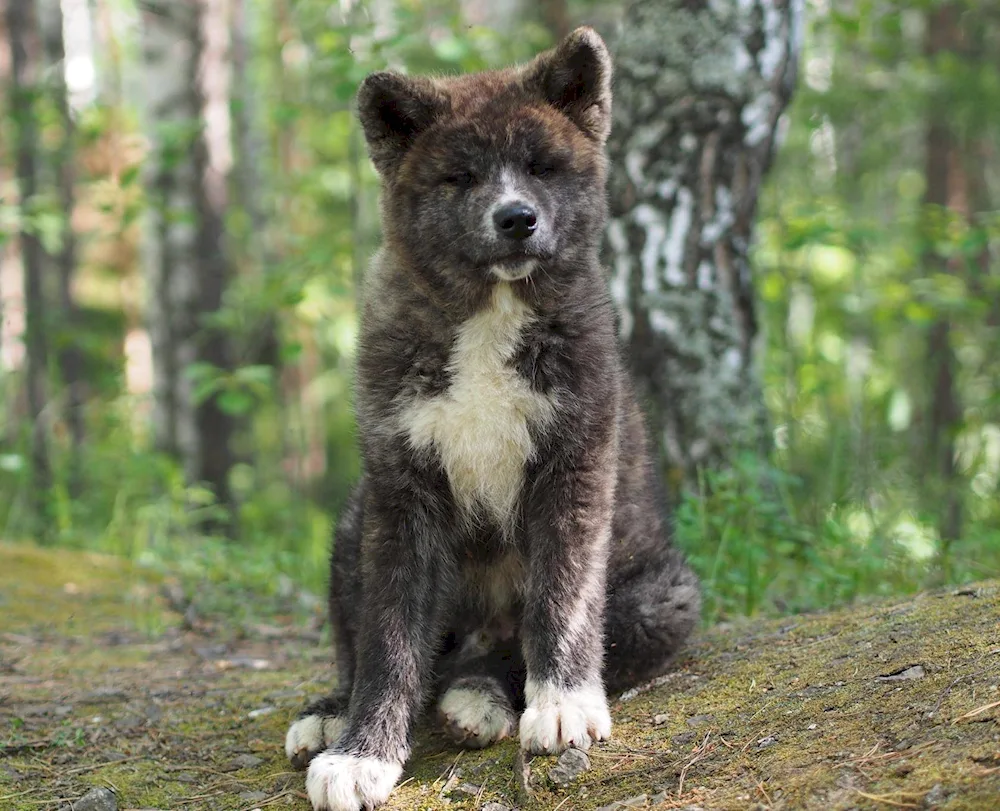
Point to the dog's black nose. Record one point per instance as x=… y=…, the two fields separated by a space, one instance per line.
x=516 y=221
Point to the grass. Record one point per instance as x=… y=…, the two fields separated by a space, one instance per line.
x=761 y=545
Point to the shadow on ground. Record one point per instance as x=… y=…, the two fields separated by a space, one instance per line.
x=104 y=684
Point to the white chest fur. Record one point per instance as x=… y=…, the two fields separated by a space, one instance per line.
x=480 y=426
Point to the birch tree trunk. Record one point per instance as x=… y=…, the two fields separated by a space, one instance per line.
x=24 y=54
x=700 y=89
x=61 y=165
x=187 y=266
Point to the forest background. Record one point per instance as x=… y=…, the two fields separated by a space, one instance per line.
x=186 y=210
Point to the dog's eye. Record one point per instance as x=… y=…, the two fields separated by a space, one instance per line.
x=462 y=180
x=540 y=169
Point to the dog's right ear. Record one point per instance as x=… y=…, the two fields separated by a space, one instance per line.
x=393 y=110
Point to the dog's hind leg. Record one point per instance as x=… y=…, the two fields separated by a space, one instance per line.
x=482 y=687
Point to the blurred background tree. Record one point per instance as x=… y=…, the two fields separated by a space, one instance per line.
x=187 y=211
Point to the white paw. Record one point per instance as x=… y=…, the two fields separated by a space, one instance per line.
x=340 y=782
x=556 y=719
x=310 y=735
x=475 y=718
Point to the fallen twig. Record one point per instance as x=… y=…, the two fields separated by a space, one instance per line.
x=871 y=757
x=884 y=798
x=763 y=791
x=977 y=711
x=290 y=792
x=699 y=754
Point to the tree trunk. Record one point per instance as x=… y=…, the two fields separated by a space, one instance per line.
x=24 y=48
x=187 y=266
x=263 y=346
x=700 y=89
x=213 y=164
x=61 y=161
x=249 y=158
x=945 y=187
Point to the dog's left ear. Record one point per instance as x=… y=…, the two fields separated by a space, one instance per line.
x=575 y=77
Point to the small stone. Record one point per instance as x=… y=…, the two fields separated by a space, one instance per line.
x=935 y=797
x=763 y=743
x=813 y=726
x=467 y=788
x=660 y=720
x=243 y=762
x=38 y=710
x=906 y=674
x=129 y=722
x=656 y=799
x=683 y=739
x=260 y=713
x=450 y=785
x=253 y=796
x=571 y=764
x=11 y=772
x=284 y=782
x=523 y=774
x=97 y=799
x=698 y=720
x=495 y=807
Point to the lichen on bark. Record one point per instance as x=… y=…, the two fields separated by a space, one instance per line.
x=700 y=89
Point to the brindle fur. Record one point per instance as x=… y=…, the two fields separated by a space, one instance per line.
x=578 y=586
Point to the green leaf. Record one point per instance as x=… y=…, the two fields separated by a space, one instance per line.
x=235 y=402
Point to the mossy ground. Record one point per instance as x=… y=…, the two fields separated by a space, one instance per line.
x=101 y=683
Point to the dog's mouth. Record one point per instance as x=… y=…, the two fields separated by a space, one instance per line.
x=513 y=269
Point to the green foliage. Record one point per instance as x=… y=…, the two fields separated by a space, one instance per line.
x=761 y=544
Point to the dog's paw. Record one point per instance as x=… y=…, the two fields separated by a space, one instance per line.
x=475 y=718
x=556 y=719
x=341 y=782
x=310 y=735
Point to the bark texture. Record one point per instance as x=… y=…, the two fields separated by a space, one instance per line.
x=700 y=89
x=25 y=52
x=187 y=265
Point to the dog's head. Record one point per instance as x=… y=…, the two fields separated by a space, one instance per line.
x=496 y=174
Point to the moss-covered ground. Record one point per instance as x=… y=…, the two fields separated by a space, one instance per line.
x=881 y=705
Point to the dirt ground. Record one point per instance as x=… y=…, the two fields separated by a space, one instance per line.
x=105 y=683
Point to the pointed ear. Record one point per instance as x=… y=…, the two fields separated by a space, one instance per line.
x=393 y=110
x=575 y=77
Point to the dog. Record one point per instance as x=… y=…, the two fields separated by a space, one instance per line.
x=506 y=550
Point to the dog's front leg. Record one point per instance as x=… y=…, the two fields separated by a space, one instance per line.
x=569 y=522
x=402 y=568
